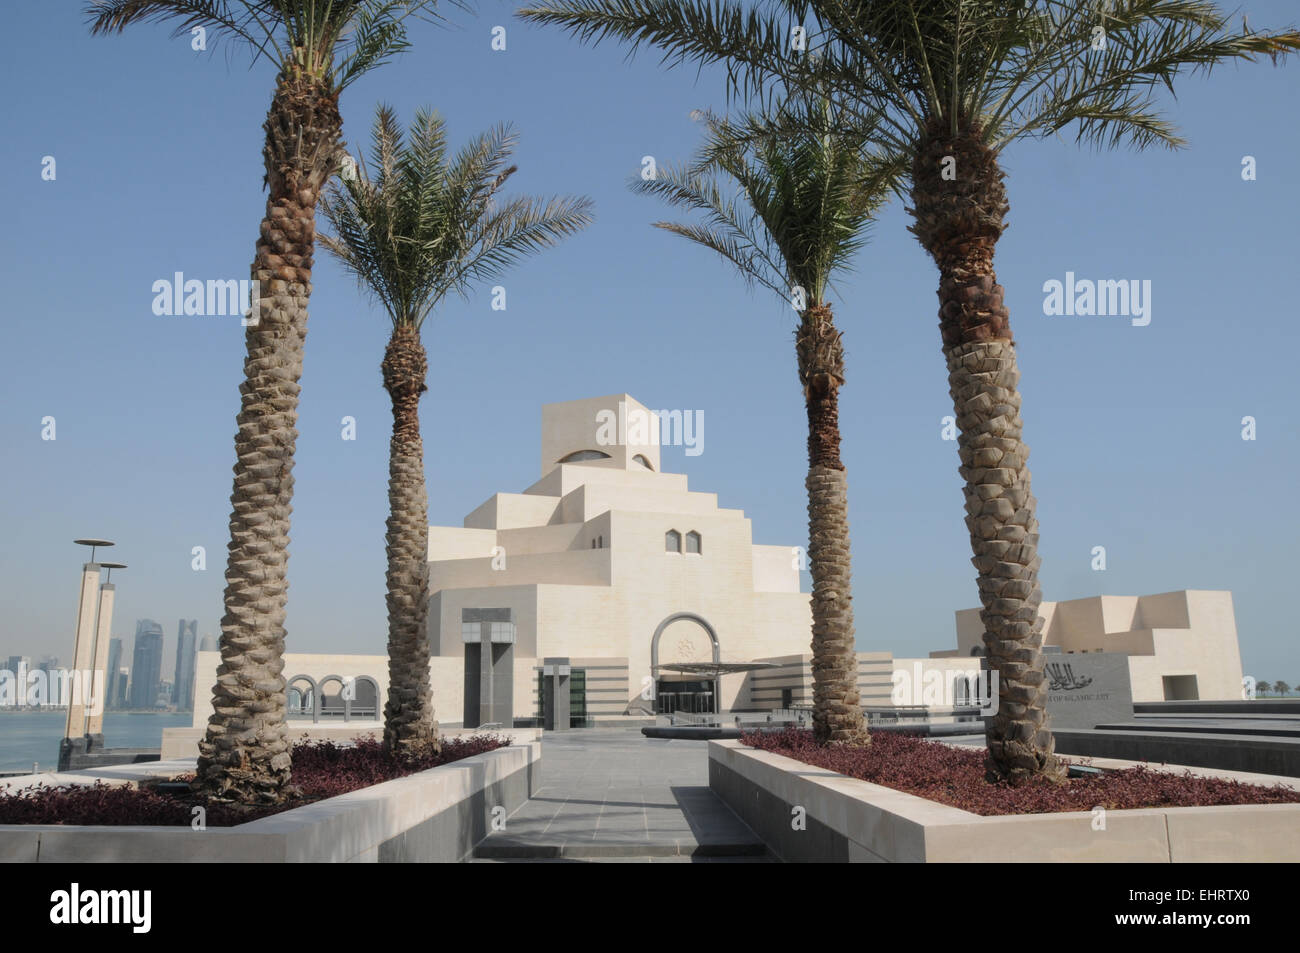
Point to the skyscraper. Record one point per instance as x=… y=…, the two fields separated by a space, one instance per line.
x=146 y=664
x=209 y=644
x=111 y=675
x=19 y=666
x=183 y=680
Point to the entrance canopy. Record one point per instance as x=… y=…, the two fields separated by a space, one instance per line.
x=714 y=669
x=700 y=695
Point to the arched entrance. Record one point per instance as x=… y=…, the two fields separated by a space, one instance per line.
x=678 y=692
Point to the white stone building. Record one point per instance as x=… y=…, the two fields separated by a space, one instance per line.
x=1180 y=645
x=618 y=570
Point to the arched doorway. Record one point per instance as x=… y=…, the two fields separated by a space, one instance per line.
x=682 y=692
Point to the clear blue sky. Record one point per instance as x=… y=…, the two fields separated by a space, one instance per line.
x=1135 y=431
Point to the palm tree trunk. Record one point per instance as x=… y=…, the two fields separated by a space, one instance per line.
x=409 y=728
x=837 y=717
x=244 y=757
x=959 y=220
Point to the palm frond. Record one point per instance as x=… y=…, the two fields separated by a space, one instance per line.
x=807 y=183
x=423 y=225
x=1007 y=68
x=335 y=41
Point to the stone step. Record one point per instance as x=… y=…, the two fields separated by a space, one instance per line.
x=496 y=847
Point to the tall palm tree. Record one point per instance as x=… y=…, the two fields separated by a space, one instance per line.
x=319 y=47
x=806 y=196
x=426 y=224
x=949 y=84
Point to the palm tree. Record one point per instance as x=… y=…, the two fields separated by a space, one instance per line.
x=424 y=226
x=319 y=47
x=1263 y=687
x=1282 y=688
x=806 y=196
x=949 y=84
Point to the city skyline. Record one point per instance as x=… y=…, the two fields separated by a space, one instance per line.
x=120 y=654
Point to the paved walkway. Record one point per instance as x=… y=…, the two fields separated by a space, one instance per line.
x=613 y=794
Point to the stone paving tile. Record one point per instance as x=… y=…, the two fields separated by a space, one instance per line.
x=612 y=795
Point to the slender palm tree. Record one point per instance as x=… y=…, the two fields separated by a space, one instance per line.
x=424 y=225
x=949 y=84
x=319 y=48
x=805 y=198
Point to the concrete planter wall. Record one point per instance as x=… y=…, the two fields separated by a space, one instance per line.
x=437 y=815
x=848 y=820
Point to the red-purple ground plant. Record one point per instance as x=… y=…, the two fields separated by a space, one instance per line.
x=955 y=776
x=321 y=769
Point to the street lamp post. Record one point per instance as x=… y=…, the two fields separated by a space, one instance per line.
x=74 y=732
x=99 y=676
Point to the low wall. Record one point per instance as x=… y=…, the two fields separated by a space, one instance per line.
x=1201 y=749
x=436 y=816
x=1255 y=706
x=847 y=820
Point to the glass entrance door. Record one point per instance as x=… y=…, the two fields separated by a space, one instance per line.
x=690 y=697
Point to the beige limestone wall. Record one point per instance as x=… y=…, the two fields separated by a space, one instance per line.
x=763 y=689
x=453 y=542
x=932 y=682
x=1121 y=613
x=1187 y=632
x=576 y=425
x=556 y=538
x=447 y=682
x=1174 y=610
x=512 y=510
x=315 y=666
x=776 y=568
x=591 y=500
x=567 y=477
x=446 y=677
x=875 y=678
x=589 y=567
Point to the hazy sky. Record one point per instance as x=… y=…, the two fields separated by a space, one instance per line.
x=1136 y=431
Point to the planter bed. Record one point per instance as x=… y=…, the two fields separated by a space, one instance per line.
x=954 y=775
x=438 y=814
x=846 y=819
